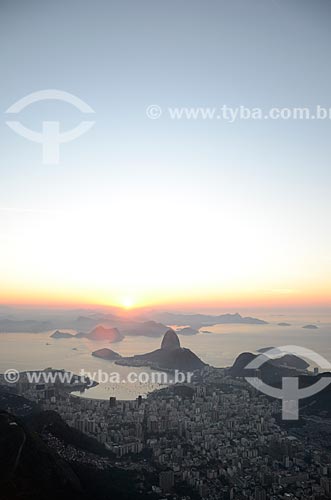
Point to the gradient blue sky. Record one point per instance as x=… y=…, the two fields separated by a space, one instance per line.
x=167 y=211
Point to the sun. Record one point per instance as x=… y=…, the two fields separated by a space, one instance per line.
x=127 y=302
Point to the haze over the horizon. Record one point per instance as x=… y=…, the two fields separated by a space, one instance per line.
x=152 y=213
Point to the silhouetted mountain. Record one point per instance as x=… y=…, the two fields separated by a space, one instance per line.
x=319 y=404
x=271 y=370
x=61 y=335
x=170 y=341
x=239 y=366
x=13 y=403
x=102 y=333
x=310 y=327
x=169 y=356
x=290 y=360
x=80 y=335
x=145 y=329
x=179 y=359
x=106 y=354
x=29 y=470
x=128 y=327
x=265 y=349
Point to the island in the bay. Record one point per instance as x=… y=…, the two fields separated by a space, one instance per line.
x=170 y=356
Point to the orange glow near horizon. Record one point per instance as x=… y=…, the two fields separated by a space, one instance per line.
x=273 y=299
x=217 y=253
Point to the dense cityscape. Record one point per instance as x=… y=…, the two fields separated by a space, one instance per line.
x=217 y=438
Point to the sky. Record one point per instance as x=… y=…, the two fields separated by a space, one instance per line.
x=152 y=212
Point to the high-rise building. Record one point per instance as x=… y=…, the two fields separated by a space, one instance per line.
x=260 y=494
x=166 y=481
x=326 y=486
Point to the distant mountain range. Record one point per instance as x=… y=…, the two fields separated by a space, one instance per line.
x=155 y=325
x=199 y=320
x=170 y=356
x=113 y=328
x=140 y=323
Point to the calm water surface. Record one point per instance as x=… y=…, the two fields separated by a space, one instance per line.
x=26 y=351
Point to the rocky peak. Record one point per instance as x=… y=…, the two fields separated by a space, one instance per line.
x=170 y=341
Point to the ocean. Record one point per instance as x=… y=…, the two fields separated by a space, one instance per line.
x=220 y=347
